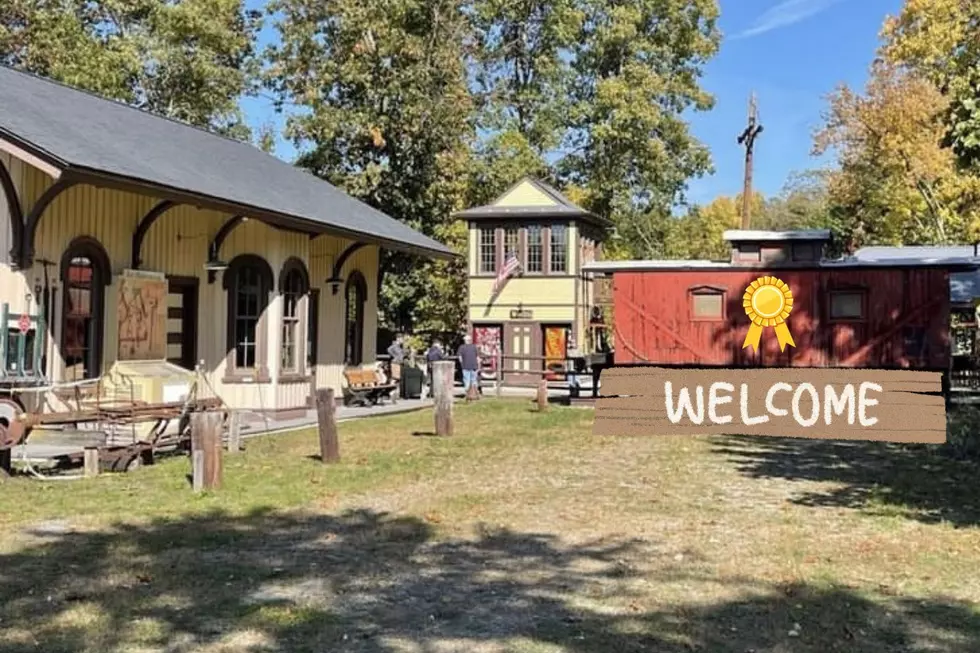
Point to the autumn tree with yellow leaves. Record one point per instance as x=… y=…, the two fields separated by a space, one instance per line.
x=908 y=146
x=897 y=182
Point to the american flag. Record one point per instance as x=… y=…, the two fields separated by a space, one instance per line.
x=510 y=266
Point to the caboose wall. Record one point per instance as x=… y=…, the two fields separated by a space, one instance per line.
x=177 y=245
x=654 y=321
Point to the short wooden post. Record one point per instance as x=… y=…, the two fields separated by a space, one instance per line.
x=234 y=432
x=197 y=469
x=542 y=395
x=91 y=460
x=5 y=463
x=442 y=392
x=500 y=373
x=326 y=417
x=206 y=450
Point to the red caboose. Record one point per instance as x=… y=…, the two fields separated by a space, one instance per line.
x=843 y=313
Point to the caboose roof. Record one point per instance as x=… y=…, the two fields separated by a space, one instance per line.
x=964 y=287
x=749 y=235
x=965 y=264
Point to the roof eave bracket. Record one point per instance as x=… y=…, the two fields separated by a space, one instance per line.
x=143 y=227
x=335 y=279
x=219 y=238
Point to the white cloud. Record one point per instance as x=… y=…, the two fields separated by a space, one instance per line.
x=788 y=12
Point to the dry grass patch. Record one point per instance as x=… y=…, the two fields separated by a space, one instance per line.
x=523 y=533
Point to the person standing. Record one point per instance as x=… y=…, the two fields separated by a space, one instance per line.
x=434 y=354
x=397 y=352
x=574 y=356
x=469 y=359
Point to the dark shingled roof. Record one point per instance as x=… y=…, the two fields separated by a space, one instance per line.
x=81 y=133
x=563 y=208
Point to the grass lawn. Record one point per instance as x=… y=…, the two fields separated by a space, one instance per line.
x=523 y=533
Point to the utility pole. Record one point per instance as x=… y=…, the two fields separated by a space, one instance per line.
x=747 y=138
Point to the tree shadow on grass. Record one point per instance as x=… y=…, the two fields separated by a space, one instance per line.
x=920 y=480
x=370 y=583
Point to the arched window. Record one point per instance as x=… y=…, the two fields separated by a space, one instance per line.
x=355 y=295
x=294 y=285
x=85 y=272
x=248 y=281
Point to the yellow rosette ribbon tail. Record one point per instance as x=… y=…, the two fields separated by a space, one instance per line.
x=768 y=302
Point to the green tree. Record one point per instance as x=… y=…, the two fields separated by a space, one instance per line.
x=940 y=40
x=590 y=94
x=386 y=115
x=699 y=234
x=190 y=60
x=522 y=76
x=637 y=67
x=522 y=67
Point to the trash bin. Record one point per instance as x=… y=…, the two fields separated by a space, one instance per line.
x=411 y=382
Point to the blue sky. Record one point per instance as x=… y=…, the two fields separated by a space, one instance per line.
x=791 y=53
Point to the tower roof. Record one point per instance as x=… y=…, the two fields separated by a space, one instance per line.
x=532 y=199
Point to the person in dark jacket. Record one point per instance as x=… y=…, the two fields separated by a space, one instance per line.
x=469 y=359
x=434 y=354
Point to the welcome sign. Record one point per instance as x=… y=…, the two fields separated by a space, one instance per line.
x=830 y=403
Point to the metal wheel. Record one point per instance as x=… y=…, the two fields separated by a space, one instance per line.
x=13 y=428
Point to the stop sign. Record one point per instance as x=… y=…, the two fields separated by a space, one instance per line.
x=24 y=323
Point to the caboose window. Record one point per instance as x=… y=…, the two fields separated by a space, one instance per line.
x=847 y=305
x=749 y=253
x=804 y=252
x=707 y=305
x=915 y=341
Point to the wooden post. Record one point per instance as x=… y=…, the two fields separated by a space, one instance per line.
x=442 y=392
x=91 y=461
x=197 y=469
x=542 y=395
x=500 y=373
x=206 y=450
x=326 y=417
x=234 y=432
x=5 y=463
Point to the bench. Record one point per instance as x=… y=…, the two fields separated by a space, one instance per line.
x=365 y=388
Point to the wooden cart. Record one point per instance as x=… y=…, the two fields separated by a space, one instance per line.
x=118 y=453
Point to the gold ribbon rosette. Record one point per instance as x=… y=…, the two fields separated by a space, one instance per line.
x=768 y=302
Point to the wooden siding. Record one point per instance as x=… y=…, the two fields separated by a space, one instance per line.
x=525 y=194
x=653 y=322
x=177 y=244
x=551 y=298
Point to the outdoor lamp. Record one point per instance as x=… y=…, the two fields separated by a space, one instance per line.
x=214 y=266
